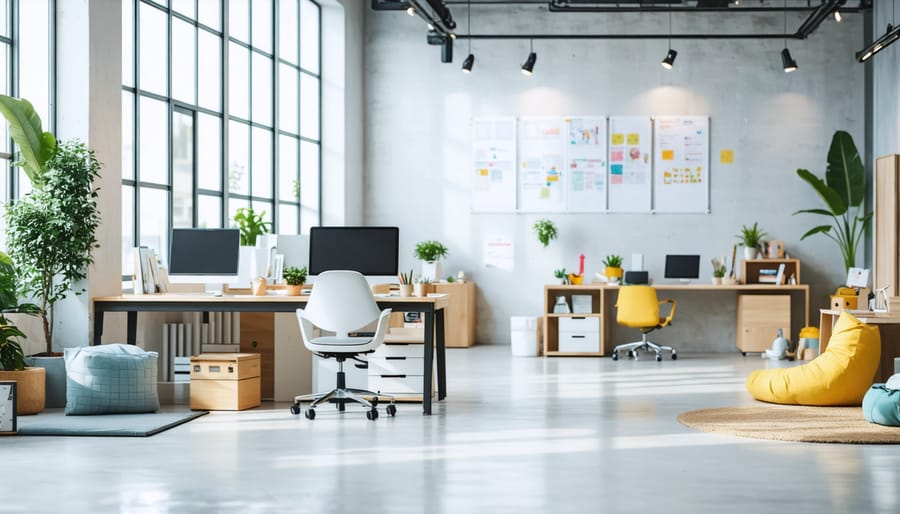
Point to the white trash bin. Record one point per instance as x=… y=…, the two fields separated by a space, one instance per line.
x=525 y=335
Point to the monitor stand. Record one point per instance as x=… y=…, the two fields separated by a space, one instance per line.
x=684 y=281
x=215 y=289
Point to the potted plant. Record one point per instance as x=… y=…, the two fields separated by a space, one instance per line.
x=31 y=380
x=545 y=230
x=561 y=275
x=718 y=272
x=252 y=225
x=295 y=278
x=51 y=231
x=751 y=239
x=843 y=192
x=420 y=286
x=430 y=252
x=613 y=269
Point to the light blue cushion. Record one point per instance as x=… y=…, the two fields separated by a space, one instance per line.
x=110 y=379
x=882 y=405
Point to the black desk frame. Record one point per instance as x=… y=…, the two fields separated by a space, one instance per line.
x=434 y=323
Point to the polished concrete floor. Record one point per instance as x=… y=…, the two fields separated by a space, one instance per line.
x=543 y=435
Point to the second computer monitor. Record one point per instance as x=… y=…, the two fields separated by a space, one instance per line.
x=682 y=267
x=372 y=251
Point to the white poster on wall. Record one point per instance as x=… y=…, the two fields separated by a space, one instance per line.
x=681 y=164
x=542 y=183
x=630 y=171
x=493 y=164
x=585 y=163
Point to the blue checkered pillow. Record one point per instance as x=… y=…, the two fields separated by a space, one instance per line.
x=110 y=379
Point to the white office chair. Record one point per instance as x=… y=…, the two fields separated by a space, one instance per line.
x=342 y=302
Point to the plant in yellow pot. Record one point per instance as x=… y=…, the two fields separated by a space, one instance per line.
x=294 y=278
x=613 y=269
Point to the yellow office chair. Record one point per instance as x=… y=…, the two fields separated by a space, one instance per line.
x=638 y=307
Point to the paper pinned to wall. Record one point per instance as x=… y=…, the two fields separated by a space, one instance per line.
x=681 y=164
x=542 y=183
x=585 y=163
x=499 y=253
x=630 y=175
x=493 y=169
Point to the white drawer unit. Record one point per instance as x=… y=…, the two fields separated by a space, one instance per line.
x=579 y=334
x=396 y=384
x=395 y=366
x=397 y=369
x=399 y=350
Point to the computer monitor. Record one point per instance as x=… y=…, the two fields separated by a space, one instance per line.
x=682 y=267
x=204 y=255
x=372 y=251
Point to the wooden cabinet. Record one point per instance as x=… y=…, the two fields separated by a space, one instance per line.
x=758 y=319
x=887 y=224
x=578 y=332
x=753 y=270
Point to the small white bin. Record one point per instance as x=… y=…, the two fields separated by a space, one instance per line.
x=525 y=335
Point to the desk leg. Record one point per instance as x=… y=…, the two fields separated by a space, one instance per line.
x=428 y=361
x=98 y=327
x=441 y=355
x=131 y=337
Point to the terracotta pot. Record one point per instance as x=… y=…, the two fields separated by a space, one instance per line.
x=30 y=389
x=293 y=290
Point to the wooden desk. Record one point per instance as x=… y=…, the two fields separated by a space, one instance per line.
x=888 y=324
x=433 y=308
x=603 y=299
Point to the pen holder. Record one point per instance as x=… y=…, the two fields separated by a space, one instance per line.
x=258 y=286
x=420 y=289
x=406 y=290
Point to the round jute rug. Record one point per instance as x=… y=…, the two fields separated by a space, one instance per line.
x=792 y=423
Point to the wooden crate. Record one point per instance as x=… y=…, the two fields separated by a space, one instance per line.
x=225 y=381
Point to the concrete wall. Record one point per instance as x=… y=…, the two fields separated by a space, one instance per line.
x=885 y=86
x=417 y=145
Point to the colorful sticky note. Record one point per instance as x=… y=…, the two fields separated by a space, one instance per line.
x=726 y=156
x=617 y=139
x=634 y=139
x=616 y=169
x=617 y=156
x=668 y=155
x=483 y=172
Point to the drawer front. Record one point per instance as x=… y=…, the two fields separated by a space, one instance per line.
x=398 y=350
x=579 y=342
x=409 y=384
x=579 y=324
x=225 y=369
x=396 y=366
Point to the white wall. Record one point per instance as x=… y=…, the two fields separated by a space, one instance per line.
x=417 y=142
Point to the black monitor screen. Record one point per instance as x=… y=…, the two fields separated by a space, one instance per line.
x=369 y=250
x=682 y=266
x=204 y=251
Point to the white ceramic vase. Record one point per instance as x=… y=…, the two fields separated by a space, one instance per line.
x=749 y=252
x=431 y=270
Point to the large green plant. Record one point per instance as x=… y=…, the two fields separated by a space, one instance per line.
x=11 y=355
x=430 y=251
x=843 y=192
x=36 y=147
x=251 y=225
x=51 y=232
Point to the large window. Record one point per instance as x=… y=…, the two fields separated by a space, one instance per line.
x=26 y=64
x=221 y=110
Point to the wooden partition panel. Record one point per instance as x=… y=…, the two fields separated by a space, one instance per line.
x=887 y=213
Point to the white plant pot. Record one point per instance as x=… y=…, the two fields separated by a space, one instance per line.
x=431 y=270
x=749 y=253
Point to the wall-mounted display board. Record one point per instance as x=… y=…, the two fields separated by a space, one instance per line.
x=585 y=163
x=681 y=164
x=630 y=171
x=542 y=185
x=494 y=160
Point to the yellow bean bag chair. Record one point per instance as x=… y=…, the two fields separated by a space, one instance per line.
x=840 y=376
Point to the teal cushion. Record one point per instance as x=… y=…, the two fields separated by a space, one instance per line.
x=110 y=379
x=882 y=405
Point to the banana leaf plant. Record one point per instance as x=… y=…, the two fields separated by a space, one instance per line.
x=843 y=192
x=36 y=147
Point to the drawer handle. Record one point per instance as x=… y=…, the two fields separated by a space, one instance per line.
x=395 y=358
x=393 y=376
x=578 y=337
x=578 y=317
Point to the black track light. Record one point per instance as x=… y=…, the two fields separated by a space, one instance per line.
x=789 y=63
x=467 y=64
x=528 y=67
x=669 y=61
x=890 y=35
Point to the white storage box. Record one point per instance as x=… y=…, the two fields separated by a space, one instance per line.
x=525 y=335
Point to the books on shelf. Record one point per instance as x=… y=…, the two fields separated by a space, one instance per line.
x=772 y=276
x=149 y=276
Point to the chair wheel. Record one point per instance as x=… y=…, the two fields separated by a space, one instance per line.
x=615 y=356
x=310 y=414
x=674 y=356
x=372 y=414
x=295 y=409
x=391 y=410
x=658 y=358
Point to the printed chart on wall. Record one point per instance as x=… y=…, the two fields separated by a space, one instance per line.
x=541 y=181
x=630 y=178
x=494 y=161
x=586 y=163
x=681 y=164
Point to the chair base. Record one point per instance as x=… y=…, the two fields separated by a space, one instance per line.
x=645 y=345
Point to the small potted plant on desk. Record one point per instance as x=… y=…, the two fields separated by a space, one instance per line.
x=751 y=238
x=294 y=277
x=718 y=272
x=614 y=269
x=430 y=253
x=561 y=275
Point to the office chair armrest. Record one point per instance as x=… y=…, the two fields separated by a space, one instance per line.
x=306 y=327
x=671 y=314
x=381 y=328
